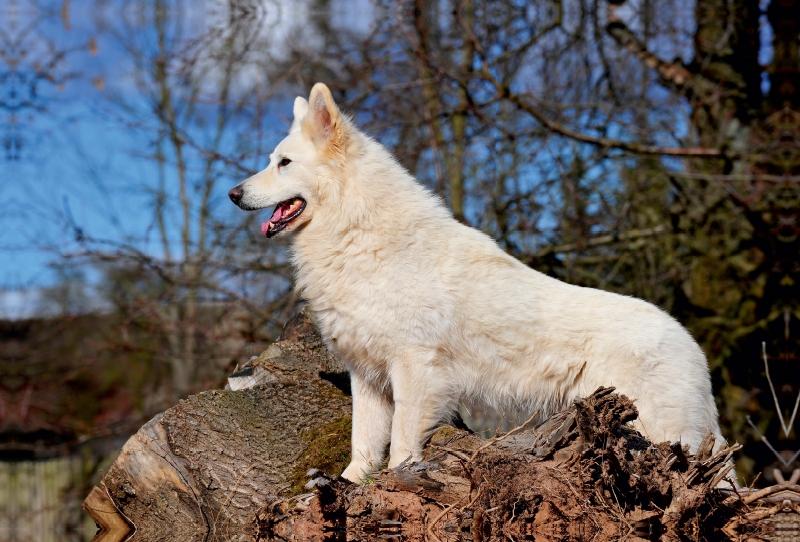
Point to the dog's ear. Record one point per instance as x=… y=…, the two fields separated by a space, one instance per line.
x=300 y=112
x=324 y=121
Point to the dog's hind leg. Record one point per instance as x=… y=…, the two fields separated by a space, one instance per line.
x=372 y=418
x=423 y=396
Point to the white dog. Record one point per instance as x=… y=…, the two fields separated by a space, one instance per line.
x=427 y=312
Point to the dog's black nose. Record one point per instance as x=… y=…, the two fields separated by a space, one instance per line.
x=235 y=194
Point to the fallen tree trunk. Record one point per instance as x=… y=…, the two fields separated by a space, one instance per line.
x=200 y=470
x=234 y=465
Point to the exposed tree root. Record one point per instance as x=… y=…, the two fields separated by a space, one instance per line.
x=584 y=474
x=227 y=466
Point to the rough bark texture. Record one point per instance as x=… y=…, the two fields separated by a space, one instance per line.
x=231 y=465
x=200 y=470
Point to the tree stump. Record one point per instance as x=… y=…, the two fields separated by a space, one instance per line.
x=235 y=464
x=200 y=470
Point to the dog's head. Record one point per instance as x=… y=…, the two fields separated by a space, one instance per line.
x=292 y=180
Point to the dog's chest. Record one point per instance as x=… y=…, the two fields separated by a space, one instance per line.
x=372 y=307
x=364 y=322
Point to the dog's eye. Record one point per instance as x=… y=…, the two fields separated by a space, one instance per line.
x=285 y=162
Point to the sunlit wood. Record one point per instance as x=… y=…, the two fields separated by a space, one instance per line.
x=111 y=526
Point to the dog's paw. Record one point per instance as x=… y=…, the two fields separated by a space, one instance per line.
x=358 y=473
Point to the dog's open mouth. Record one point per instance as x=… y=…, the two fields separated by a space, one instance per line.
x=282 y=216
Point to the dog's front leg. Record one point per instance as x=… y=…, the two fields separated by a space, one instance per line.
x=372 y=418
x=422 y=395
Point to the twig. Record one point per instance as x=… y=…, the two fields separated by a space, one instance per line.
x=766 y=492
x=773 y=450
x=461 y=455
x=786 y=427
x=602 y=240
x=495 y=440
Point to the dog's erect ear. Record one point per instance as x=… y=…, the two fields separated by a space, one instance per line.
x=324 y=122
x=300 y=112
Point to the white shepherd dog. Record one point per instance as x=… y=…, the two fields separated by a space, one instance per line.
x=427 y=312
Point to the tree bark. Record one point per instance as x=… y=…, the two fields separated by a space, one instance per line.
x=200 y=470
x=234 y=465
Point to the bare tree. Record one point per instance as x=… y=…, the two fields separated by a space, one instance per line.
x=204 y=84
x=627 y=146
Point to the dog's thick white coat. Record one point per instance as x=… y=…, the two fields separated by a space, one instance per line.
x=427 y=312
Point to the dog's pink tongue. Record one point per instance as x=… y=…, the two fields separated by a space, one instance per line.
x=275 y=217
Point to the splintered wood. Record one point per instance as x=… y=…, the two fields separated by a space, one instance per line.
x=236 y=465
x=584 y=474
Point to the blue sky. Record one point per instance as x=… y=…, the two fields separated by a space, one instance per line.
x=47 y=126
x=83 y=162
x=76 y=161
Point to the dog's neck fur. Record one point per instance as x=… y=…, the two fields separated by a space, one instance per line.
x=345 y=251
x=368 y=183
